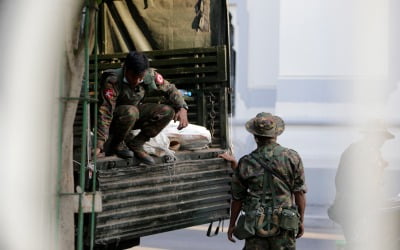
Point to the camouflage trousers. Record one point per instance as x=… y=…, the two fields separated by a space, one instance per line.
x=150 y=118
x=285 y=240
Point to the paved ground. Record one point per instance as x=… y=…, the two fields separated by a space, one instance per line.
x=321 y=234
x=195 y=238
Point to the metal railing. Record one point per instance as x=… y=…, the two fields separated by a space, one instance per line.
x=87 y=165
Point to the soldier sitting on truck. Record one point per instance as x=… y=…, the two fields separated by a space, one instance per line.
x=121 y=108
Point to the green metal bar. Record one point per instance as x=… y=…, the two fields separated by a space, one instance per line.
x=64 y=194
x=85 y=90
x=66 y=99
x=93 y=215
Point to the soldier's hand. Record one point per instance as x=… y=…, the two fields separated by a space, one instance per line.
x=301 y=230
x=230 y=233
x=98 y=152
x=229 y=158
x=181 y=116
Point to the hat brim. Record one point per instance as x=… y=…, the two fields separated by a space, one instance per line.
x=386 y=134
x=280 y=127
x=389 y=135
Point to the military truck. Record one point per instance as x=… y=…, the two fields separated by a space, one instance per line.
x=187 y=41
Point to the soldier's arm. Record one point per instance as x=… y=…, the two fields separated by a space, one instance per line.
x=300 y=200
x=299 y=188
x=236 y=206
x=107 y=102
x=230 y=158
x=175 y=97
x=299 y=182
x=170 y=91
x=239 y=193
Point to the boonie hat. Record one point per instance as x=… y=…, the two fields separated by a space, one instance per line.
x=378 y=127
x=266 y=124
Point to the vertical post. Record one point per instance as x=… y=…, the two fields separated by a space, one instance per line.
x=93 y=216
x=84 y=142
x=59 y=153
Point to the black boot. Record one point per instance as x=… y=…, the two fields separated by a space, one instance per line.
x=136 y=145
x=121 y=150
x=144 y=157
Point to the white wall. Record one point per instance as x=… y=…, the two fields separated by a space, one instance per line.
x=326 y=38
x=313 y=63
x=29 y=67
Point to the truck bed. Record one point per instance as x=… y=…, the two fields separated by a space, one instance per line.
x=140 y=200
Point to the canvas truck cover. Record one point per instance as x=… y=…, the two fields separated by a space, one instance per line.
x=146 y=25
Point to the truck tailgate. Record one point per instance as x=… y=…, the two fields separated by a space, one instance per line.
x=140 y=200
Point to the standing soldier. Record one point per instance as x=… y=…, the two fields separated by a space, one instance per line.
x=359 y=190
x=263 y=186
x=121 y=109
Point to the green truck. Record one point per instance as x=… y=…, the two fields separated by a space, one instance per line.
x=188 y=42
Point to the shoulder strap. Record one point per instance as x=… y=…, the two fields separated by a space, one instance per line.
x=267 y=178
x=266 y=165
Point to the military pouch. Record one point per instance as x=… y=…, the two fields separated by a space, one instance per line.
x=267 y=222
x=289 y=219
x=245 y=226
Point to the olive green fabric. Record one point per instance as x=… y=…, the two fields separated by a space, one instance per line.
x=145 y=25
x=172 y=23
x=285 y=240
x=266 y=124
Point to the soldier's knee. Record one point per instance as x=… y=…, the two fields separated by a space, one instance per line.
x=168 y=112
x=133 y=111
x=129 y=114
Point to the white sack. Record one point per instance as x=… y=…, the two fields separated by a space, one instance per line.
x=158 y=146
x=193 y=137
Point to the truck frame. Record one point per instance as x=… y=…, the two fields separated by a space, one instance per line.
x=133 y=199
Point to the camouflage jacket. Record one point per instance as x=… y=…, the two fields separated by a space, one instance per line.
x=288 y=177
x=115 y=91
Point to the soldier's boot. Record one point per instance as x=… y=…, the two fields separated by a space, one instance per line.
x=125 y=118
x=144 y=157
x=120 y=149
x=136 y=145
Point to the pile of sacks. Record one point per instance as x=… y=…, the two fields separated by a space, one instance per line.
x=170 y=139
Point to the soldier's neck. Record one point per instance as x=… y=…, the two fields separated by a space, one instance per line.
x=266 y=143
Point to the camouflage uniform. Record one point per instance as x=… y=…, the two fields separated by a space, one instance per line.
x=121 y=109
x=284 y=241
x=288 y=177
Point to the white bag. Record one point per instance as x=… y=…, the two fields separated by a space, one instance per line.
x=193 y=137
x=158 y=146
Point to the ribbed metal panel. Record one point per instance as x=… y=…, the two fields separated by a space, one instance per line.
x=140 y=200
x=181 y=66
